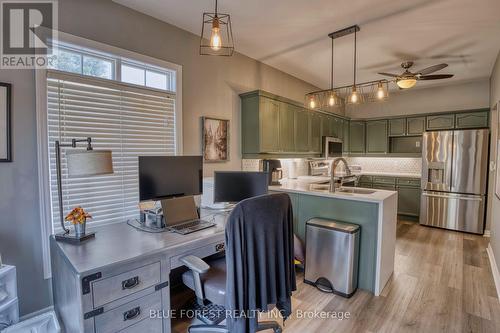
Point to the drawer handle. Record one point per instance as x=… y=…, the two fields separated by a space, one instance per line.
x=131 y=314
x=130 y=283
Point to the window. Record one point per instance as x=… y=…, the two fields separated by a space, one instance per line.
x=83 y=95
x=74 y=59
x=127 y=120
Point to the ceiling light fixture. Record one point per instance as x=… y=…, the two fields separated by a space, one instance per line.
x=327 y=100
x=406 y=82
x=216 y=29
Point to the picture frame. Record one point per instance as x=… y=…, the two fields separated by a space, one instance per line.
x=215 y=137
x=5 y=122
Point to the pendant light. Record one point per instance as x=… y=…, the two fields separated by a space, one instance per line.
x=216 y=34
x=333 y=98
x=355 y=97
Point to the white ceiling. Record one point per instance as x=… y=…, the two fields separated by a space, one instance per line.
x=291 y=35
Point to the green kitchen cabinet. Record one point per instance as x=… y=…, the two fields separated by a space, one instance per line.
x=377 y=141
x=365 y=185
x=316 y=126
x=337 y=128
x=415 y=125
x=286 y=128
x=345 y=136
x=408 y=200
x=397 y=127
x=269 y=125
x=440 y=122
x=356 y=137
x=301 y=129
x=472 y=120
x=326 y=125
x=384 y=187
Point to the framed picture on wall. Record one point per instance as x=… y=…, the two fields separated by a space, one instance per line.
x=215 y=139
x=5 y=129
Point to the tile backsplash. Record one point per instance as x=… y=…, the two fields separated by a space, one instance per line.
x=393 y=164
x=298 y=167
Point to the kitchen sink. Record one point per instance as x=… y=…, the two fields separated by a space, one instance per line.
x=354 y=190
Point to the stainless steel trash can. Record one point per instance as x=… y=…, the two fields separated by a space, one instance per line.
x=332 y=250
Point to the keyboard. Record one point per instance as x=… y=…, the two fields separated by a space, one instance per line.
x=191 y=226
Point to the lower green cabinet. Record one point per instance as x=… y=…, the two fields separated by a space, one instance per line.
x=408 y=200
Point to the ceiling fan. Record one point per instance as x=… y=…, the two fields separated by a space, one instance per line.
x=408 y=79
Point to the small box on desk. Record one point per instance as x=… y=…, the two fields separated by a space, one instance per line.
x=152 y=219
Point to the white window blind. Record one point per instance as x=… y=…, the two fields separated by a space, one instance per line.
x=130 y=121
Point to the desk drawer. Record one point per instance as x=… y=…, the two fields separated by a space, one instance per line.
x=128 y=314
x=201 y=252
x=148 y=325
x=115 y=287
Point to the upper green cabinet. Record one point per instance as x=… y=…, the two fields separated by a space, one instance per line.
x=397 y=127
x=415 y=125
x=316 y=125
x=472 y=120
x=440 y=122
x=269 y=123
x=377 y=141
x=286 y=128
x=345 y=136
x=301 y=130
x=356 y=137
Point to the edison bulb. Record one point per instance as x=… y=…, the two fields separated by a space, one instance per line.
x=312 y=103
x=331 y=100
x=354 y=97
x=215 y=40
x=380 y=91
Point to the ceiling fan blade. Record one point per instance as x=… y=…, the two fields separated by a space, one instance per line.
x=435 y=77
x=389 y=74
x=432 y=69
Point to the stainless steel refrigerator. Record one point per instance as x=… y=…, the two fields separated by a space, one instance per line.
x=454 y=179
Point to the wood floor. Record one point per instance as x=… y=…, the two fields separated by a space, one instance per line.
x=442 y=283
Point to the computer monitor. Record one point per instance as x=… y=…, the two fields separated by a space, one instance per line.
x=163 y=177
x=235 y=186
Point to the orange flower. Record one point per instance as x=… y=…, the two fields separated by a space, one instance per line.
x=78 y=216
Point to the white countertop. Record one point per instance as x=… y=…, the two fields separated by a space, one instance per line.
x=294 y=186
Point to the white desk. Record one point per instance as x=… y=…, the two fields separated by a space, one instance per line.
x=110 y=283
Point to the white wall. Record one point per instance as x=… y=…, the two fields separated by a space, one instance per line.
x=461 y=96
x=494 y=202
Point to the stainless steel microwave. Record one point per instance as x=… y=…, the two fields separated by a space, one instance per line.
x=332 y=147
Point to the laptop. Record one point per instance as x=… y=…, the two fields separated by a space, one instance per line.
x=181 y=215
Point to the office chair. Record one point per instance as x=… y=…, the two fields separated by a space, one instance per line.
x=209 y=280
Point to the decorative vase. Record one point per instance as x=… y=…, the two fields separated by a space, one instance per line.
x=80 y=229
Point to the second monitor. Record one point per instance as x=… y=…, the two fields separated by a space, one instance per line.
x=235 y=186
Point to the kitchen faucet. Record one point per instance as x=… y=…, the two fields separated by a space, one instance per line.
x=335 y=163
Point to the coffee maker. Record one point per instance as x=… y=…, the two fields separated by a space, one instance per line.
x=273 y=168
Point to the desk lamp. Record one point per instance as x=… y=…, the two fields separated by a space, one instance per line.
x=80 y=163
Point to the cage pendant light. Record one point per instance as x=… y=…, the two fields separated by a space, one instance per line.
x=216 y=34
x=333 y=99
x=356 y=95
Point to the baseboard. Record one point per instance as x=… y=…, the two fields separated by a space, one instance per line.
x=494 y=269
x=486 y=233
x=36 y=313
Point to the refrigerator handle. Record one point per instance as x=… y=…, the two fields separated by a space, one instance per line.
x=452 y=197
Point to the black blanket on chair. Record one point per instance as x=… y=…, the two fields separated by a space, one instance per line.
x=259 y=260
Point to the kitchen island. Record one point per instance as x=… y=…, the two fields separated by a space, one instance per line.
x=375 y=211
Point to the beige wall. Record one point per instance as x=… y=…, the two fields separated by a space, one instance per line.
x=210 y=84
x=494 y=202
x=210 y=87
x=462 y=96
